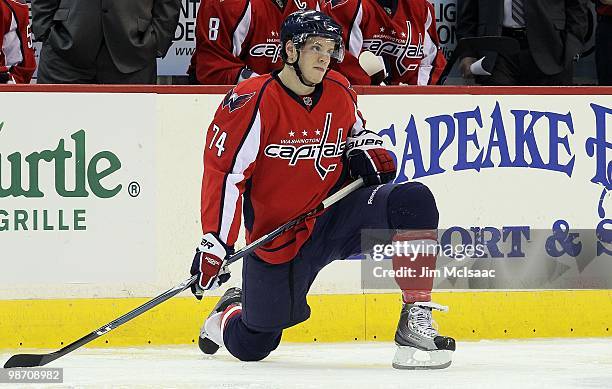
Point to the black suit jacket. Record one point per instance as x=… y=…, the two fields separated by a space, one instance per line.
x=135 y=31
x=555 y=28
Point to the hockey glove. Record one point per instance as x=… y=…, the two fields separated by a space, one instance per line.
x=375 y=165
x=206 y=265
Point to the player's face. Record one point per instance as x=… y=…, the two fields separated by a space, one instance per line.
x=315 y=56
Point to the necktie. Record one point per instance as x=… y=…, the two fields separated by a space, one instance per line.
x=518 y=12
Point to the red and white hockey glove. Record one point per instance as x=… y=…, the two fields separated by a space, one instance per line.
x=368 y=158
x=206 y=265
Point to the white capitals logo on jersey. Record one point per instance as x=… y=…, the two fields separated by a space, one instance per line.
x=400 y=51
x=270 y=50
x=314 y=151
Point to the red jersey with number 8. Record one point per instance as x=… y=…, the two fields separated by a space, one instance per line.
x=234 y=35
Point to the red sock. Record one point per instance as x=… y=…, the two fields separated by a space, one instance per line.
x=420 y=247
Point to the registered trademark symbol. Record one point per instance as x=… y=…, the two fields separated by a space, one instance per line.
x=134 y=189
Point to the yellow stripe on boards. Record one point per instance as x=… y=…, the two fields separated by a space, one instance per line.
x=335 y=318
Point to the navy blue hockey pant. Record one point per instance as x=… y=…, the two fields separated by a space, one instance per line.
x=274 y=296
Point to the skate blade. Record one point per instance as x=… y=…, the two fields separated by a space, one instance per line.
x=410 y=358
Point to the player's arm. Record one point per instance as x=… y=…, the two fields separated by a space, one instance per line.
x=232 y=144
x=164 y=22
x=576 y=24
x=350 y=15
x=42 y=17
x=433 y=62
x=222 y=27
x=17 y=50
x=367 y=156
x=467 y=27
x=467 y=18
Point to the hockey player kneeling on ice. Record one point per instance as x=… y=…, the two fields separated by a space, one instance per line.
x=278 y=145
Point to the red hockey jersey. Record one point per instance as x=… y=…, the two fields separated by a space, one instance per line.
x=232 y=35
x=17 y=55
x=282 y=152
x=404 y=34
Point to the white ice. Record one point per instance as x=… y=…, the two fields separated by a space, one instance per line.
x=555 y=363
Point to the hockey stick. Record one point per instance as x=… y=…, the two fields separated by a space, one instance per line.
x=500 y=44
x=34 y=360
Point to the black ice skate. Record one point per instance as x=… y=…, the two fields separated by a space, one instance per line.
x=419 y=344
x=211 y=338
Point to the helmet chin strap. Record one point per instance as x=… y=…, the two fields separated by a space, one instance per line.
x=295 y=65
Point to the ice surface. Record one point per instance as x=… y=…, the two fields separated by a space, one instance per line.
x=556 y=363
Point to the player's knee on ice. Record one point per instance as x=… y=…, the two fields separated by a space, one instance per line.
x=412 y=206
x=246 y=344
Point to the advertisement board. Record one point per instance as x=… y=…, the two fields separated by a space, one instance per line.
x=77 y=188
x=528 y=170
